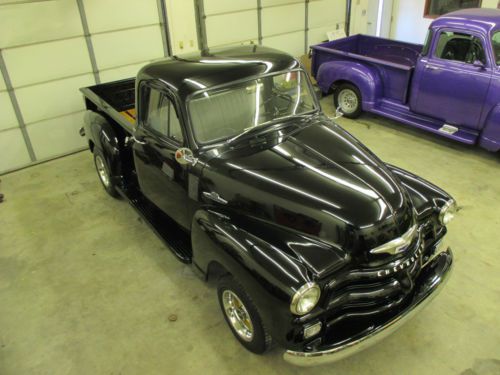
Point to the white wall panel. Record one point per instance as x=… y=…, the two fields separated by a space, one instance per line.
x=7 y=116
x=40 y=102
x=292 y=43
x=318 y=35
x=119 y=14
x=127 y=71
x=57 y=136
x=38 y=21
x=47 y=61
x=220 y=6
x=267 y=3
x=283 y=19
x=232 y=28
x=128 y=46
x=182 y=24
x=13 y=152
x=326 y=13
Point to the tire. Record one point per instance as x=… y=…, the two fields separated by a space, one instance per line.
x=253 y=336
x=104 y=173
x=348 y=98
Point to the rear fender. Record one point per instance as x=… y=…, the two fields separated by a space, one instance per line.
x=490 y=136
x=365 y=78
x=104 y=137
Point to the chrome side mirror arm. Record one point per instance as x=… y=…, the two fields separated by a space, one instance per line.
x=338 y=114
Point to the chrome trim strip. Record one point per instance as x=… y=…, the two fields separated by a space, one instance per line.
x=432 y=286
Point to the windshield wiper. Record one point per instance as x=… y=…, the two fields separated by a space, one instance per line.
x=265 y=125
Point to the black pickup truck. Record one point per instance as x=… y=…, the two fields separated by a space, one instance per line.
x=315 y=242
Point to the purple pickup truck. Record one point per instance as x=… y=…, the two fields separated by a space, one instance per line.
x=449 y=86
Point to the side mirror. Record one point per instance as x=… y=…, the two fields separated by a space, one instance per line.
x=184 y=156
x=478 y=64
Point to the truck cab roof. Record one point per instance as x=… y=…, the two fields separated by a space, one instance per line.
x=482 y=20
x=186 y=74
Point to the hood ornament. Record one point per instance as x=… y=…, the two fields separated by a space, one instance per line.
x=397 y=245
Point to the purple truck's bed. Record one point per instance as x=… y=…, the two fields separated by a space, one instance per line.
x=396 y=59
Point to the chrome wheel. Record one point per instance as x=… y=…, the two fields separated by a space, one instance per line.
x=348 y=101
x=102 y=171
x=237 y=315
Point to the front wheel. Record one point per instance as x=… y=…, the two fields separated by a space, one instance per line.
x=347 y=98
x=104 y=174
x=242 y=316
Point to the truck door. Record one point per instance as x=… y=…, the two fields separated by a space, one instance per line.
x=453 y=80
x=159 y=134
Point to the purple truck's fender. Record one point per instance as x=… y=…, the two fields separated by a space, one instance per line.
x=365 y=78
x=490 y=135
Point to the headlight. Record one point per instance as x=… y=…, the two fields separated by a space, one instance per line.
x=447 y=212
x=305 y=299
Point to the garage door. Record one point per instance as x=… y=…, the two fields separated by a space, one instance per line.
x=284 y=24
x=50 y=49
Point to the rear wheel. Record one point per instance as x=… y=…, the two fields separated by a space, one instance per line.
x=347 y=98
x=103 y=171
x=242 y=316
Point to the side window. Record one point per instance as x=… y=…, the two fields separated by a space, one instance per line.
x=162 y=117
x=495 y=41
x=461 y=47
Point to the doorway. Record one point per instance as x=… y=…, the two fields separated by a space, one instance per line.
x=371 y=17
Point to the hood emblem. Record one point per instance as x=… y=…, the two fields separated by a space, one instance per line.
x=397 y=245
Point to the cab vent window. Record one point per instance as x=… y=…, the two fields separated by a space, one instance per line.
x=427 y=43
x=162 y=117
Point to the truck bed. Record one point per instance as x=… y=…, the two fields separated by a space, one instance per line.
x=370 y=48
x=394 y=60
x=116 y=99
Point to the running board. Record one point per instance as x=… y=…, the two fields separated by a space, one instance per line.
x=403 y=114
x=172 y=235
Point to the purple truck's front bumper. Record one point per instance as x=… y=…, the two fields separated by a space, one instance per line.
x=434 y=275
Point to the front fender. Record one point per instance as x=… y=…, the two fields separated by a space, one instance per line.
x=427 y=198
x=365 y=78
x=490 y=136
x=249 y=249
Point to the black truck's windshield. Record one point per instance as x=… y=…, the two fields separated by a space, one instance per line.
x=222 y=114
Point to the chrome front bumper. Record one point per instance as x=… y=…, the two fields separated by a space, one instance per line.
x=435 y=274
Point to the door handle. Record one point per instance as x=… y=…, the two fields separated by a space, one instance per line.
x=138 y=141
x=431 y=67
x=214 y=197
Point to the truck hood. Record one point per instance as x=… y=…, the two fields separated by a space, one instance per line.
x=320 y=182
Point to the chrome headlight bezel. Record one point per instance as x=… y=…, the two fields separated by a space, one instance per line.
x=308 y=290
x=447 y=212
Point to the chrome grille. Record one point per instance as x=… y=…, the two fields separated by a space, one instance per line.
x=371 y=291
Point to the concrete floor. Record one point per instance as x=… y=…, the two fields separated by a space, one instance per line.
x=87 y=288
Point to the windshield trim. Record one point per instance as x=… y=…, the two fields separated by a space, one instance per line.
x=221 y=141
